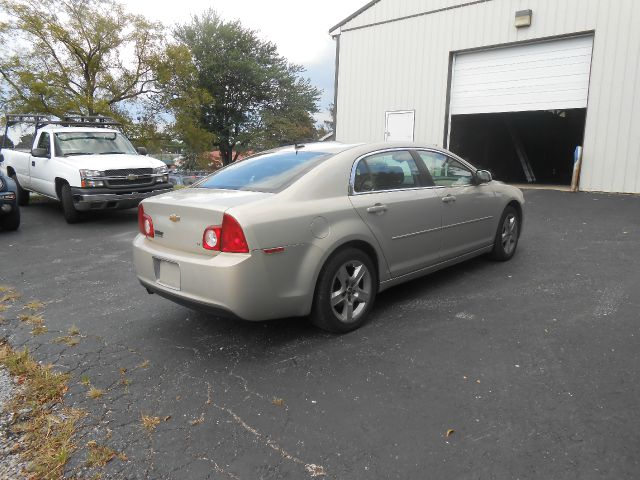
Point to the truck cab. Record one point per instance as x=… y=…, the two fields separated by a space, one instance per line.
x=85 y=164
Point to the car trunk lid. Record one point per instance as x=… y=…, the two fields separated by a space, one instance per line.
x=181 y=216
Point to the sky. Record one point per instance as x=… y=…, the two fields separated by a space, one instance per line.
x=298 y=27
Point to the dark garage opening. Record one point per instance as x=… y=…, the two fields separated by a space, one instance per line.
x=521 y=147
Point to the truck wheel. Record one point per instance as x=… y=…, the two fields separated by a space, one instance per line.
x=23 y=195
x=71 y=215
x=12 y=221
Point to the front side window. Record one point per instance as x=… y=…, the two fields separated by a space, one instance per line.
x=267 y=172
x=445 y=171
x=92 y=143
x=43 y=142
x=388 y=171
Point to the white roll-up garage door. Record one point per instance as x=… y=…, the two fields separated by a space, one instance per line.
x=552 y=75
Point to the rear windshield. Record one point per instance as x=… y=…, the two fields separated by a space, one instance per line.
x=267 y=172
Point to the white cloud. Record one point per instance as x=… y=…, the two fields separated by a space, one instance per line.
x=299 y=28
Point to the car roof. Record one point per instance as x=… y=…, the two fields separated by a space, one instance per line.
x=325 y=147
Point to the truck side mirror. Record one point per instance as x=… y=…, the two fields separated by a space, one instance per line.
x=483 y=176
x=141 y=151
x=39 y=152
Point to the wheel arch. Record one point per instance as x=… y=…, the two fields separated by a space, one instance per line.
x=59 y=182
x=359 y=244
x=518 y=208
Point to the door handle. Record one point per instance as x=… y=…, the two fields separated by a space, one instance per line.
x=377 y=208
x=449 y=199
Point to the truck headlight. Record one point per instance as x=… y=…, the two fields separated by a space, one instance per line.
x=164 y=171
x=88 y=178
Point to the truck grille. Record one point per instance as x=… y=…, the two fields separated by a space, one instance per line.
x=139 y=181
x=128 y=171
x=138 y=177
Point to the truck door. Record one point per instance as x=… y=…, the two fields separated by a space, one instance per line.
x=41 y=168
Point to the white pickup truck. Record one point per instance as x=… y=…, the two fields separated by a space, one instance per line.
x=84 y=162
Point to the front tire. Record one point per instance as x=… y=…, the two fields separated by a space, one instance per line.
x=71 y=215
x=11 y=222
x=345 y=292
x=23 y=195
x=507 y=236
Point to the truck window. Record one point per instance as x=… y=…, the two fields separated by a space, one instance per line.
x=92 y=143
x=43 y=142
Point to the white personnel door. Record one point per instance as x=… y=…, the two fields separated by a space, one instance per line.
x=399 y=126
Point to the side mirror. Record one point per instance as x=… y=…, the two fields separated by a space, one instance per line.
x=39 y=152
x=483 y=176
x=141 y=151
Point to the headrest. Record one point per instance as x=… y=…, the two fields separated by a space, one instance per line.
x=388 y=178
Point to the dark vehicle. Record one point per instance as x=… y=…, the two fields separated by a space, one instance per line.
x=9 y=209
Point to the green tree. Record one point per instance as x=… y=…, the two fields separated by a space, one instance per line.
x=256 y=99
x=75 y=56
x=182 y=98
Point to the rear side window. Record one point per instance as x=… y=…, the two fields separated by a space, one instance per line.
x=268 y=172
x=389 y=171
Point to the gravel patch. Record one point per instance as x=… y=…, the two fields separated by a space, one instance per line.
x=11 y=465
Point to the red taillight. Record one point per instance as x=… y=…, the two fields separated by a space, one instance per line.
x=145 y=224
x=233 y=240
x=228 y=238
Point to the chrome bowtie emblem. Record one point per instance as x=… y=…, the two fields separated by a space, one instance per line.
x=174 y=218
x=131 y=177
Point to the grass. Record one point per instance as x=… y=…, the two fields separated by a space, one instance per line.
x=95 y=393
x=39 y=330
x=69 y=340
x=47 y=436
x=9 y=295
x=144 y=364
x=34 y=306
x=149 y=422
x=35 y=320
x=73 y=331
x=100 y=455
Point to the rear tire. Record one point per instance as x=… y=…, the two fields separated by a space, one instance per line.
x=11 y=222
x=23 y=195
x=507 y=236
x=71 y=215
x=345 y=292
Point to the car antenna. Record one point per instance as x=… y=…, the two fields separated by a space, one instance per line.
x=298 y=146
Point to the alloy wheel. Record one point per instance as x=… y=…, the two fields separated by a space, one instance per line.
x=509 y=233
x=350 y=291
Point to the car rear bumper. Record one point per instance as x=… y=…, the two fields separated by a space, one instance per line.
x=253 y=286
x=92 y=199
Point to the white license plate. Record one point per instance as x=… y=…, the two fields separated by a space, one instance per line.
x=167 y=273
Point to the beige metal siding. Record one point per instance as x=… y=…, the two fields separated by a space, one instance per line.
x=404 y=65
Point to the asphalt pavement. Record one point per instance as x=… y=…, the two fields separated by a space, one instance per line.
x=521 y=370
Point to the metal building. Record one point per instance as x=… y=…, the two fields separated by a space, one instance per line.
x=512 y=85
